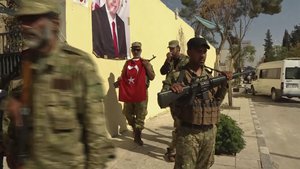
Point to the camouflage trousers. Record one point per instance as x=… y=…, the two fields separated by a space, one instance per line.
x=135 y=113
x=176 y=125
x=195 y=148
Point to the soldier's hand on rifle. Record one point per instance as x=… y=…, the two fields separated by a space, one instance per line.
x=146 y=63
x=117 y=83
x=177 y=87
x=228 y=74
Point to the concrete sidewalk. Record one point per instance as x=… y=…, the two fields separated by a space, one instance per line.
x=157 y=136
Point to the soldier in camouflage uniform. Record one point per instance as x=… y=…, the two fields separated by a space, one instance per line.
x=174 y=62
x=62 y=97
x=136 y=113
x=198 y=115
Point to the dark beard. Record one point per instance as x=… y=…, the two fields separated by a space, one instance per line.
x=35 y=40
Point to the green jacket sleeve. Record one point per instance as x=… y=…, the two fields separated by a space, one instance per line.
x=99 y=149
x=221 y=91
x=170 y=79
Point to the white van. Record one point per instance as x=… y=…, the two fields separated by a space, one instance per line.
x=278 y=78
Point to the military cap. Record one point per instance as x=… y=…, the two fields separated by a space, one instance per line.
x=136 y=45
x=173 y=43
x=37 y=7
x=196 y=43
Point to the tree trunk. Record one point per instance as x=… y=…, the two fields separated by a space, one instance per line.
x=230 y=103
x=218 y=55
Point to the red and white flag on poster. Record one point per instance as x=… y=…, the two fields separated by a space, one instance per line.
x=132 y=86
x=96 y=4
x=82 y=2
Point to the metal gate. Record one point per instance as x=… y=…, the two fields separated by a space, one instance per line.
x=10 y=45
x=10 y=62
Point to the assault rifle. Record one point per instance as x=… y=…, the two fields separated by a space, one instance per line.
x=167 y=97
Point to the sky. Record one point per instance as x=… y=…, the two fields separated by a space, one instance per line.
x=286 y=19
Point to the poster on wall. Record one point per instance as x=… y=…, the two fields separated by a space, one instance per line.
x=110 y=28
x=82 y=2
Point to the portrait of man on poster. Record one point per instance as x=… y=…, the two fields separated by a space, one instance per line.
x=109 y=35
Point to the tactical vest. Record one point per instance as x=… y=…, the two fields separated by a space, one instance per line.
x=201 y=109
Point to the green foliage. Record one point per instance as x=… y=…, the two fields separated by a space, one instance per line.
x=290 y=45
x=190 y=10
x=247 y=53
x=295 y=36
x=279 y=53
x=269 y=51
x=232 y=18
x=238 y=8
x=286 y=41
x=294 y=51
x=229 y=137
x=271 y=6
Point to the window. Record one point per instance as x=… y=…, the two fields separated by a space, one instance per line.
x=273 y=73
x=292 y=73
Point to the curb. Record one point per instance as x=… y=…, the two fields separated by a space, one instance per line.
x=265 y=157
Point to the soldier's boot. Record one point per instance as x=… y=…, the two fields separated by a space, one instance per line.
x=170 y=155
x=137 y=137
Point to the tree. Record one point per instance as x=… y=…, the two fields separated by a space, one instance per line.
x=247 y=54
x=225 y=14
x=232 y=19
x=294 y=52
x=286 y=41
x=269 y=51
x=280 y=53
x=295 y=35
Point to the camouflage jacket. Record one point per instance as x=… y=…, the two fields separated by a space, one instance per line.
x=169 y=67
x=67 y=119
x=201 y=110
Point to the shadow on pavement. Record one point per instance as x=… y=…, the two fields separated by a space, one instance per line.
x=115 y=120
x=167 y=128
x=151 y=140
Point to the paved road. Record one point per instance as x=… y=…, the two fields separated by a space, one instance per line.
x=280 y=123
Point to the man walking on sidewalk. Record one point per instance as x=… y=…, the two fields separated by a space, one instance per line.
x=199 y=116
x=174 y=62
x=59 y=120
x=133 y=84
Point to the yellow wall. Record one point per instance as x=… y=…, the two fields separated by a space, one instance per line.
x=151 y=23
